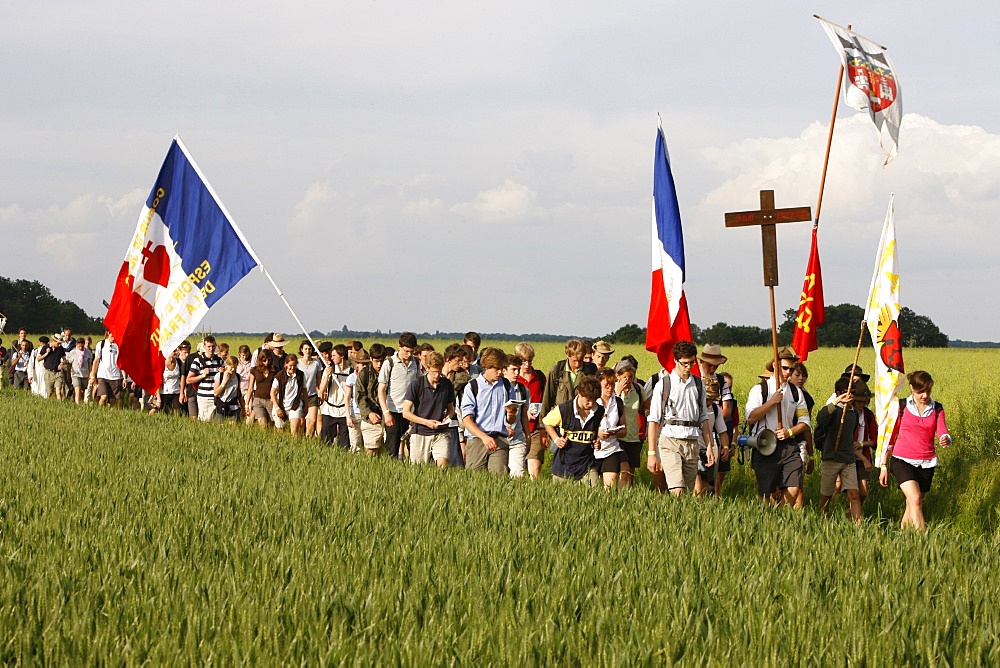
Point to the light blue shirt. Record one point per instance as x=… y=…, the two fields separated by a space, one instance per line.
x=487 y=409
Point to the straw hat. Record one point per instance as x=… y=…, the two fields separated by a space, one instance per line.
x=277 y=341
x=712 y=354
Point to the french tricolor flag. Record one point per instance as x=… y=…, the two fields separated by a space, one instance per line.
x=668 y=313
x=185 y=254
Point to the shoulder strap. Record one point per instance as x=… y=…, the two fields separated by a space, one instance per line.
x=763 y=391
x=621 y=406
x=938 y=407
x=666 y=395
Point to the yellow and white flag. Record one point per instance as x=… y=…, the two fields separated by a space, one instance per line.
x=882 y=318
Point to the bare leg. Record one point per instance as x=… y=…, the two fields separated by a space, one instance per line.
x=914 y=515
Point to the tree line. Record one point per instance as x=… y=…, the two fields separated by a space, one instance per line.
x=31 y=305
x=840 y=328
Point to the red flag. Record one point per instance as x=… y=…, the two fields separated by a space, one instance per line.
x=810 y=315
x=668 y=320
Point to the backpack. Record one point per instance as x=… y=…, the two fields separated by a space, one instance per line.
x=938 y=407
x=666 y=392
x=506 y=383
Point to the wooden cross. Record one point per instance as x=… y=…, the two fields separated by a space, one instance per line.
x=767 y=217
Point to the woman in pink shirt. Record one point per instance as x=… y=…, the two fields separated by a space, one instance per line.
x=913 y=447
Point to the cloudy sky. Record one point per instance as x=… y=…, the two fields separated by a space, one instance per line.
x=485 y=165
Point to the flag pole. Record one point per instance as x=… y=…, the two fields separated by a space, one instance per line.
x=289 y=306
x=850 y=382
x=829 y=142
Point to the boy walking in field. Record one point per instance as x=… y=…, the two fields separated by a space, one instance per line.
x=782 y=468
x=572 y=426
x=484 y=415
x=516 y=422
x=838 y=456
x=395 y=376
x=678 y=417
x=429 y=404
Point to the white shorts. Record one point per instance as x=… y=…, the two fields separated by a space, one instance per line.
x=279 y=423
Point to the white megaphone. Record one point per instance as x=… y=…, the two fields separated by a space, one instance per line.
x=765 y=441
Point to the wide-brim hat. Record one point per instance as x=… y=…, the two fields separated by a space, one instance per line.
x=277 y=341
x=711 y=353
x=858 y=371
x=603 y=347
x=362 y=357
x=786 y=353
x=861 y=391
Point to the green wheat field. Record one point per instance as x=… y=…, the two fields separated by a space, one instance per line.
x=133 y=539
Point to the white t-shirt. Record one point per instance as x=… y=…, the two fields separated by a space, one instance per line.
x=107 y=367
x=611 y=419
x=171 y=379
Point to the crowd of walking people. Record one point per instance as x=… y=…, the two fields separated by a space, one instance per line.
x=487 y=409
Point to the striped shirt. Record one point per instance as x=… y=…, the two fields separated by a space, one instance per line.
x=201 y=363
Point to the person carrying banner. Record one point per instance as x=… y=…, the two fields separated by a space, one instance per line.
x=678 y=417
x=839 y=419
x=782 y=468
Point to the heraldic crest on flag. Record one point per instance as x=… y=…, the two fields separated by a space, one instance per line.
x=871 y=84
x=185 y=254
x=882 y=320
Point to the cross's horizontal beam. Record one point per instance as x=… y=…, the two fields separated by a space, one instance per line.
x=796 y=214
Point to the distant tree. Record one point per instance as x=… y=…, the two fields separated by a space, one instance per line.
x=627 y=334
x=842 y=325
x=736 y=335
x=919 y=331
x=31 y=305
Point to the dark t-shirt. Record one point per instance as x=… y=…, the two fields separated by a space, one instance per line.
x=51 y=361
x=429 y=402
x=262 y=384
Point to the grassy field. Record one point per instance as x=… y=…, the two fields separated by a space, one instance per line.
x=130 y=539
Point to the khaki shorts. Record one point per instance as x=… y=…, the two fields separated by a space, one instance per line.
x=260 y=409
x=424 y=449
x=373 y=435
x=536 y=449
x=679 y=459
x=830 y=470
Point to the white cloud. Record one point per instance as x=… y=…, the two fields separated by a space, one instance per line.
x=313 y=209
x=508 y=201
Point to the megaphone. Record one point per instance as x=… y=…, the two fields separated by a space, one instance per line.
x=765 y=441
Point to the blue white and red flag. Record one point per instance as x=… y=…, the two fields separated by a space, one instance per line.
x=186 y=253
x=668 y=320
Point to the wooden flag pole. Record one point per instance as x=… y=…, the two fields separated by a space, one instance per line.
x=850 y=383
x=829 y=143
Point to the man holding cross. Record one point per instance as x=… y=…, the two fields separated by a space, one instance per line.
x=781 y=408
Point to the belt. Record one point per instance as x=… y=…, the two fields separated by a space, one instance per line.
x=681 y=423
x=496 y=434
